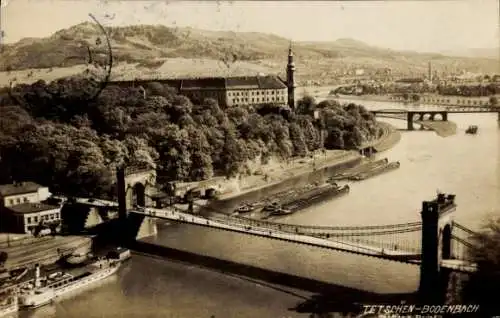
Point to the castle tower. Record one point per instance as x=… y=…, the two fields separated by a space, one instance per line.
x=290 y=80
x=430 y=72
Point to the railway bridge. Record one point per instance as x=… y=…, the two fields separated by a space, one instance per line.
x=436 y=243
x=415 y=115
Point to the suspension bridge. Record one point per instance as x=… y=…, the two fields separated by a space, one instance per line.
x=394 y=242
x=437 y=243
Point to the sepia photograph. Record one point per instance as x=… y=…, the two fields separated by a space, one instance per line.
x=249 y=159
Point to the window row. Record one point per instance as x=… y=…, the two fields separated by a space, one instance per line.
x=257 y=100
x=18 y=201
x=47 y=217
x=253 y=93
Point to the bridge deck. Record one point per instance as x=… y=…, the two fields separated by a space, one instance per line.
x=90 y=201
x=334 y=244
x=274 y=233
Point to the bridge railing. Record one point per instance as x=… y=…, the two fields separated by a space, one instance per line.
x=463 y=242
x=355 y=242
x=404 y=236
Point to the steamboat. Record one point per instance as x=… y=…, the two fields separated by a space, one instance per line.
x=46 y=289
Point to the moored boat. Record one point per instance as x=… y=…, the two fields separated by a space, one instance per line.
x=309 y=198
x=376 y=171
x=120 y=253
x=47 y=289
x=246 y=208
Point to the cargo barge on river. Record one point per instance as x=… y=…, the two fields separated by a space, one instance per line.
x=307 y=199
x=366 y=166
x=375 y=171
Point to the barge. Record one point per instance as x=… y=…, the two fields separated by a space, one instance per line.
x=359 y=169
x=376 y=171
x=308 y=199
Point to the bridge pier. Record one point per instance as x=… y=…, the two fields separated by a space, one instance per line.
x=429 y=268
x=409 y=120
x=122 y=193
x=436 y=245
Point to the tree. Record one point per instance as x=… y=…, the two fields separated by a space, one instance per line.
x=483 y=286
x=493 y=101
x=306 y=105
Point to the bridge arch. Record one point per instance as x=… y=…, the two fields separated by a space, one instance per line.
x=446 y=242
x=437 y=116
x=137 y=186
x=139 y=194
x=417 y=117
x=426 y=116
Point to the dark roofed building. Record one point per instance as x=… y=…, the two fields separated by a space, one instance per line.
x=232 y=91
x=31 y=207
x=255 y=90
x=20 y=198
x=22 y=192
x=215 y=83
x=24 y=218
x=18 y=188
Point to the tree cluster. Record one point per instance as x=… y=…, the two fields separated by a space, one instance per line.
x=420 y=88
x=469 y=90
x=55 y=135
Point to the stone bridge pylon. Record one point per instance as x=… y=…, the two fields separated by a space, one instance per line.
x=437 y=223
x=135 y=187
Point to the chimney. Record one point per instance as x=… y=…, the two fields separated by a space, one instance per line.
x=441 y=198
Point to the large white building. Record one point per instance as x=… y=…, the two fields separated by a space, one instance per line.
x=22 y=207
x=233 y=91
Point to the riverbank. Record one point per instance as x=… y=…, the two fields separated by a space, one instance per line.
x=279 y=177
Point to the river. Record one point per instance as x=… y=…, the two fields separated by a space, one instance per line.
x=466 y=165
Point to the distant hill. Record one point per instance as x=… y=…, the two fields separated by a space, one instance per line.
x=493 y=53
x=151 y=48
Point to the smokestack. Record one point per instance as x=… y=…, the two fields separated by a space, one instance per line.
x=122 y=192
x=37 y=275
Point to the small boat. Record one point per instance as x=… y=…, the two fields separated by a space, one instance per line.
x=472 y=130
x=120 y=253
x=272 y=207
x=246 y=208
x=281 y=211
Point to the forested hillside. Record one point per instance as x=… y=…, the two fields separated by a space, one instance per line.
x=53 y=134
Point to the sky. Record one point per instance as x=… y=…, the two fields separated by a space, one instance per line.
x=425 y=26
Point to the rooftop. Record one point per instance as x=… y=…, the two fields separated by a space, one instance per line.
x=219 y=83
x=32 y=207
x=19 y=188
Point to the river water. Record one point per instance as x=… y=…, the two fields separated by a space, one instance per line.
x=466 y=165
